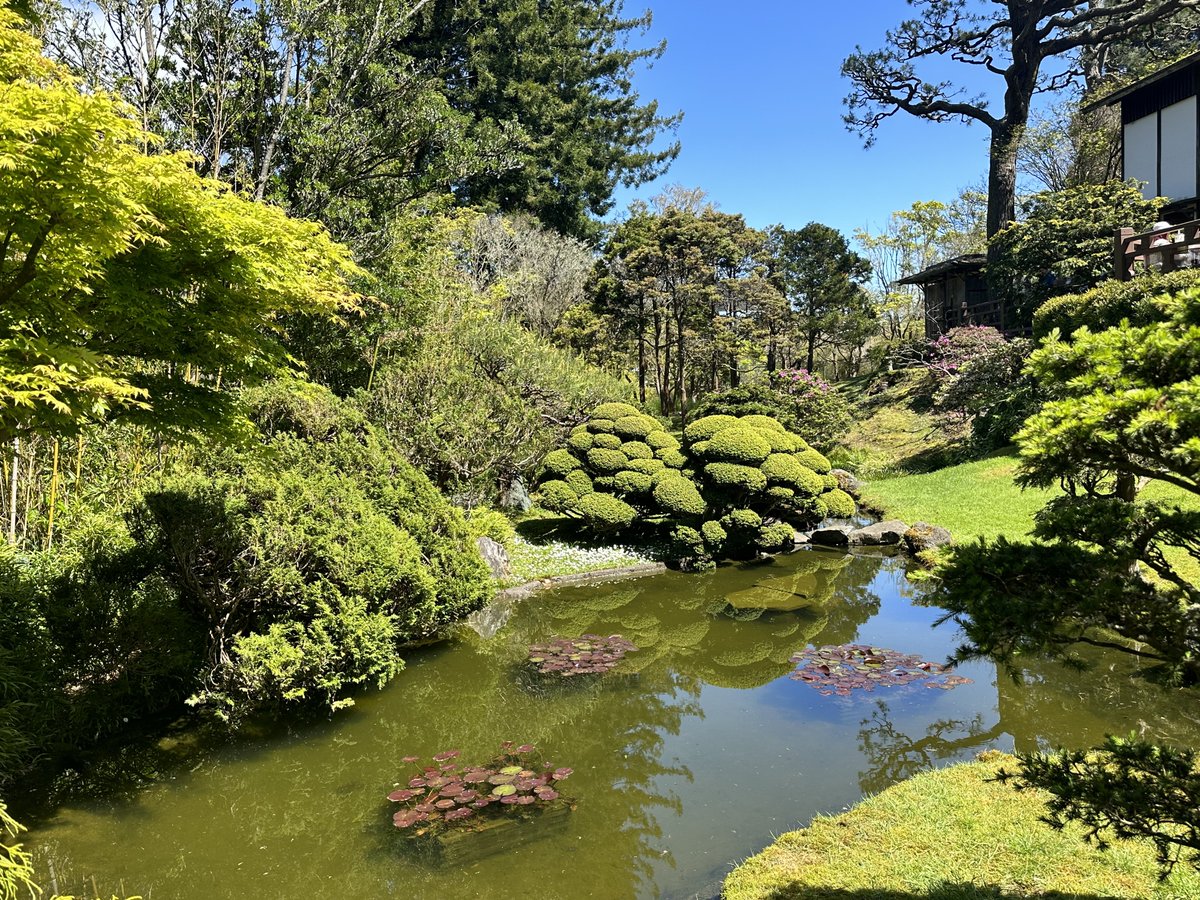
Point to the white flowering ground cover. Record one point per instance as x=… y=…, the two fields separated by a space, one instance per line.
x=548 y=559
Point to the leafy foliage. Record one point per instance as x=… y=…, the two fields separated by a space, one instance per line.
x=1110 y=303
x=128 y=282
x=1064 y=243
x=800 y=400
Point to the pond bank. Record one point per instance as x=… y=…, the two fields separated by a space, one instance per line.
x=951 y=833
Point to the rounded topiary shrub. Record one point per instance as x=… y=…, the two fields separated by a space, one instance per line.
x=755 y=475
x=734 y=486
x=604 y=512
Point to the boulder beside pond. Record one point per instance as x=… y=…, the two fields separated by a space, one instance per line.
x=832 y=536
x=847 y=482
x=923 y=536
x=880 y=533
x=494 y=555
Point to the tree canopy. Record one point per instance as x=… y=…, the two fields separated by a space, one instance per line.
x=1016 y=42
x=127 y=281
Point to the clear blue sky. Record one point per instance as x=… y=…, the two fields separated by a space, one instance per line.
x=760 y=87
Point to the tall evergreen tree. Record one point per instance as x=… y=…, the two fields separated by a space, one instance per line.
x=560 y=74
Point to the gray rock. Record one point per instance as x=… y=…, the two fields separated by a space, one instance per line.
x=832 y=536
x=801 y=537
x=494 y=555
x=486 y=622
x=890 y=532
x=515 y=496
x=923 y=536
x=847 y=482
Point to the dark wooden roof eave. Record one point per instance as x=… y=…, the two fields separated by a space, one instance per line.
x=1117 y=96
x=968 y=263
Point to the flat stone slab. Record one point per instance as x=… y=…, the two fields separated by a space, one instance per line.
x=832 y=536
x=890 y=532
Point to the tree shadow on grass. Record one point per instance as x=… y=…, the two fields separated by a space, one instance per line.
x=945 y=891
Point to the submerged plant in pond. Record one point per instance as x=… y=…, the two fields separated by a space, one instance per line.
x=586 y=655
x=840 y=669
x=447 y=794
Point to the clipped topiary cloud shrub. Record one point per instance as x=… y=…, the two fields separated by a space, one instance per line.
x=732 y=487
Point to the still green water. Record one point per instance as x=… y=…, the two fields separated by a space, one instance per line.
x=693 y=754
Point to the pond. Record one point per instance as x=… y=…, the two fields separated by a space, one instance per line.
x=694 y=752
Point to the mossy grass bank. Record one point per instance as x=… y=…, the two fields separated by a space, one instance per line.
x=951 y=834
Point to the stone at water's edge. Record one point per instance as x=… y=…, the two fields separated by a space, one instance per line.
x=494 y=555
x=923 y=536
x=516 y=497
x=847 y=482
x=890 y=532
x=832 y=536
x=800 y=537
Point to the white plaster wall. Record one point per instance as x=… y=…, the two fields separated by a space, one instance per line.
x=1179 y=139
x=1141 y=153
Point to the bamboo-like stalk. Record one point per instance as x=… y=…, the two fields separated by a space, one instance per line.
x=53 y=498
x=374 y=359
x=12 y=491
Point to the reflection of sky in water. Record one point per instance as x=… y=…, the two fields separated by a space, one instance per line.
x=695 y=757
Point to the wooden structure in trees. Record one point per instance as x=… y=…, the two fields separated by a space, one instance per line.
x=956 y=294
x=1160 y=250
x=1160 y=136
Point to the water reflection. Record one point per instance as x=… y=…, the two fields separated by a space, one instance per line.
x=689 y=756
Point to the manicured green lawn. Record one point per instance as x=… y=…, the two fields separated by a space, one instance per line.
x=951 y=834
x=979 y=499
x=975 y=499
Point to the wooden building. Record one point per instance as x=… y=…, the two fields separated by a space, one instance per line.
x=1160 y=136
x=956 y=294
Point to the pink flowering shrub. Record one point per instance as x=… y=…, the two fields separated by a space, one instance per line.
x=958 y=347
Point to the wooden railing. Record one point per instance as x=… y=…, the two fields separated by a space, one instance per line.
x=1161 y=250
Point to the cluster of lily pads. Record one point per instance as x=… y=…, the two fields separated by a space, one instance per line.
x=589 y=654
x=840 y=669
x=447 y=793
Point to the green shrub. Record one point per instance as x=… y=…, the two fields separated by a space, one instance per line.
x=1063 y=243
x=741 y=520
x=579 y=482
x=687 y=541
x=838 y=504
x=647 y=466
x=780 y=494
x=608 y=462
x=606 y=441
x=1110 y=303
x=761 y=421
x=787 y=470
x=637 y=426
x=604 y=512
x=831 y=481
x=604 y=483
x=790 y=400
x=491 y=523
x=814 y=460
x=672 y=458
x=732 y=476
x=678 y=496
x=737 y=444
x=714 y=535
x=601 y=426
x=637 y=450
x=631 y=482
x=580 y=442
x=662 y=440
x=774 y=537
x=614 y=411
x=558 y=463
x=782 y=441
x=704 y=428
x=558 y=496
